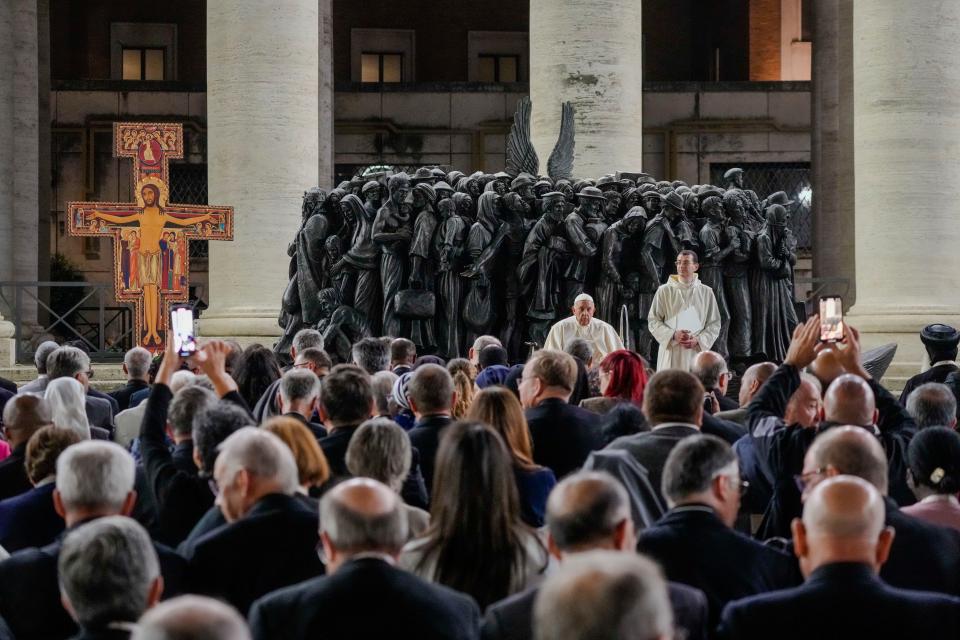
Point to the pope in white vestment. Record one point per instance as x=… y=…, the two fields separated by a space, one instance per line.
x=683 y=318
x=601 y=336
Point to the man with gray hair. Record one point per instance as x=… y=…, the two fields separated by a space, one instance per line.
x=371 y=355
x=94 y=480
x=109 y=575
x=136 y=366
x=432 y=397
x=363 y=529
x=842 y=543
x=71 y=362
x=39 y=385
x=23 y=416
x=581 y=349
x=933 y=404
x=481 y=343
x=604 y=594
x=299 y=398
x=923 y=556
x=586 y=511
x=695 y=542
x=256 y=479
x=312 y=359
x=191 y=618
x=711 y=369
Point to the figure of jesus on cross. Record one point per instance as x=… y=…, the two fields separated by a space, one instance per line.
x=151 y=236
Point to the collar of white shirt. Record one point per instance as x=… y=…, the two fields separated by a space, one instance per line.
x=675 y=424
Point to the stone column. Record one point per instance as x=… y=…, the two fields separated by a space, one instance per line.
x=907 y=160
x=6 y=168
x=588 y=52
x=325 y=84
x=831 y=149
x=262 y=114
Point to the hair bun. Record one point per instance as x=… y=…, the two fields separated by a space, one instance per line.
x=937 y=475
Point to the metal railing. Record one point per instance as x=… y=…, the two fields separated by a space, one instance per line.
x=83 y=314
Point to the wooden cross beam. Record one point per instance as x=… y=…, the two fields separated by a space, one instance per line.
x=150 y=236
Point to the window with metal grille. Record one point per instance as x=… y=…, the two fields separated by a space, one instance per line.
x=765 y=178
x=188 y=185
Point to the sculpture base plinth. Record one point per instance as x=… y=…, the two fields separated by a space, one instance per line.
x=245 y=325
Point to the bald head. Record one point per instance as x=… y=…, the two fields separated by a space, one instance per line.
x=585 y=510
x=803 y=408
x=711 y=369
x=851 y=450
x=23 y=416
x=827 y=367
x=362 y=515
x=849 y=400
x=191 y=618
x=753 y=379
x=844 y=507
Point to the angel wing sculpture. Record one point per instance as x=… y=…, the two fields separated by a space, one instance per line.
x=522 y=157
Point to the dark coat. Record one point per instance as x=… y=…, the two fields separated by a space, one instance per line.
x=512 y=618
x=651 y=448
x=780 y=447
x=30 y=595
x=425 y=436
x=29 y=520
x=923 y=556
x=8 y=385
x=563 y=435
x=13 y=476
x=839 y=602
x=724 y=429
x=696 y=548
x=318 y=430
x=122 y=395
x=938 y=373
x=394 y=604
x=273 y=546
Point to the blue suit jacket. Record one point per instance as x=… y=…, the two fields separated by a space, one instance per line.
x=29 y=520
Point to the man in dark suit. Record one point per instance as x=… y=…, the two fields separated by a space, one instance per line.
x=933 y=404
x=852 y=398
x=710 y=368
x=403 y=353
x=270 y=538
x=940 y=342
x=842 y=543
x=695 y=542
x=673 y=404
x=753 y=378
x=923 y=556
x=299 y=398
x=109 y=575
x=313 y=359
x=432 y=397
x=586 y=511
x=94 y=479
x=71 y=362
x=363 y=529
x=563 y=435
x=136 y=366
x=23 y=416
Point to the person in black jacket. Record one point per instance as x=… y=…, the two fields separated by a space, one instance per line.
x=563 y=435
x=363 y=528
x=22 y=417
x=711 y=369
x=923 y=556
x=94 y=480
x=590 y=510
x=109 y=575
x=695 y=542
x=841 y=543
x=136 y=365
x=299 y=398
x=270 y=538
x=183 y=496
x=940 y=342
x=852 y=398
x=432 y=397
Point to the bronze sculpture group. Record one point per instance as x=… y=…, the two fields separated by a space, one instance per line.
x=441 y=257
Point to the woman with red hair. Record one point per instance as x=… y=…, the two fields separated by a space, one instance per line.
x=623 y=377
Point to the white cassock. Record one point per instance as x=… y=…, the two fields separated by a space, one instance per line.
x=677 y=305
x=600 y=335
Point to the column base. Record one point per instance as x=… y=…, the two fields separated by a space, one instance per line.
x=256 y=324
x=8 y=345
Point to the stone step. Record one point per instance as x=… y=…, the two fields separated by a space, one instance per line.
x=106 y=377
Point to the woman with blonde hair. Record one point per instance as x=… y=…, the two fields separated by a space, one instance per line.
x=462 y=371
x=68 y=404
x=499 y=408
x=312 y=467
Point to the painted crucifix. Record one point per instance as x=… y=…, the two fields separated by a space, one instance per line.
x=150 y=236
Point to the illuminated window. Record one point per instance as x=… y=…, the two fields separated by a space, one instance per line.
x=498 y=68
x=143 y=63
x=381 y=67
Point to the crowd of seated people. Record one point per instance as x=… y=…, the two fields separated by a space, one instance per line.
x=562 y=497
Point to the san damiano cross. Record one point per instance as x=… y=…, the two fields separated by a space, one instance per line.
x=150 y=236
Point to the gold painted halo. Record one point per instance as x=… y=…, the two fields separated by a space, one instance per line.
x=159 y=184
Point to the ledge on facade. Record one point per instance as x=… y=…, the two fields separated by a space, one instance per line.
x=123 y=86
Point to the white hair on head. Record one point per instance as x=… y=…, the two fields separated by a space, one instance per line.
x=67 y=402
x=181 y=379
x=582 y=297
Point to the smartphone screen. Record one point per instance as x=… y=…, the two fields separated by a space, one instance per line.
x=181 y=322
x=831 y=319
